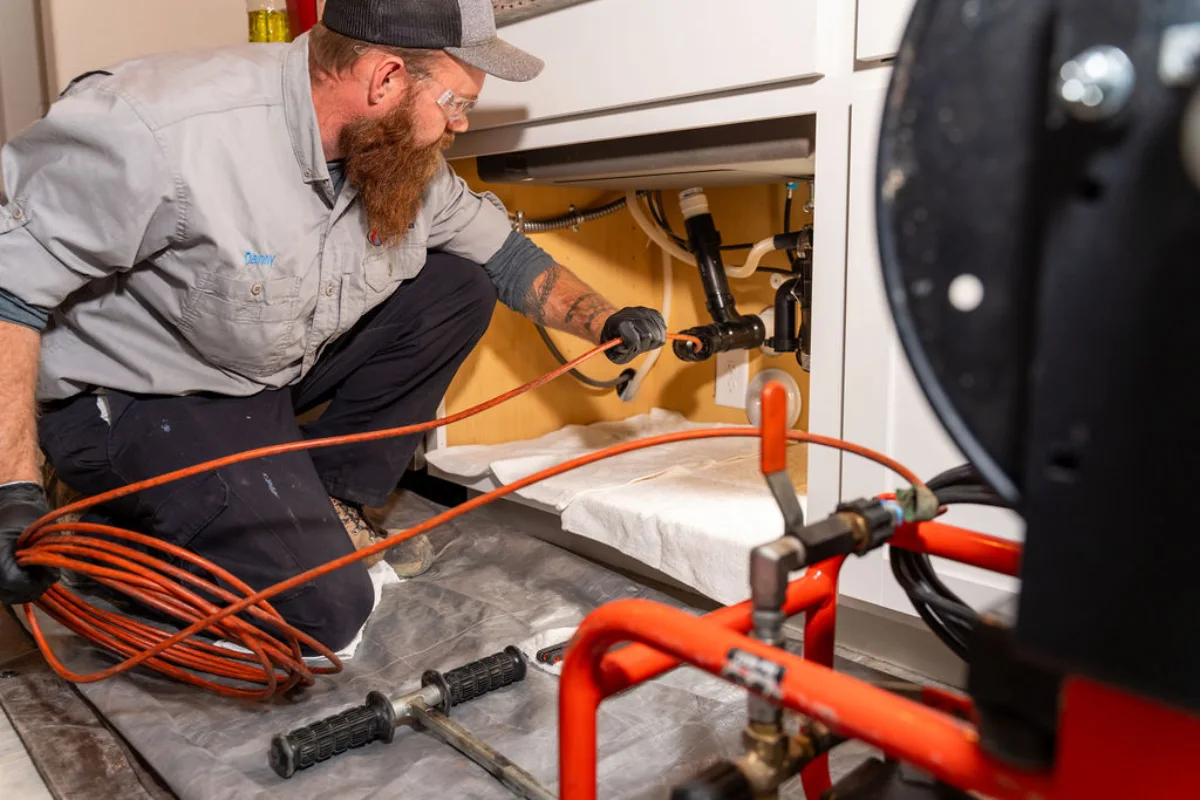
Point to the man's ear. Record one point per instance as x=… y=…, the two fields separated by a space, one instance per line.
x=388 y=78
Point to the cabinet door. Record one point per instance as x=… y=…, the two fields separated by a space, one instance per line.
x=619 y=53
x=880 y=27
x=884 y=407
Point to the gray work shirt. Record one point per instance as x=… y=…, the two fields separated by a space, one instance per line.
x=177 y=213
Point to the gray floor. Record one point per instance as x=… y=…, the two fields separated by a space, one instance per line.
x=492 y=586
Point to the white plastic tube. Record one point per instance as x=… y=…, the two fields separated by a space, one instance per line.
x=660 y=238
x=635 y=383
x=753 y=260
x=656 y=233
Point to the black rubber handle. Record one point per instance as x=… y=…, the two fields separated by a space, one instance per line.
x=477 y=678
x=354 y=727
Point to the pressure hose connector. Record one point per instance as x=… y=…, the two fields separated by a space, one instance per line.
x=729 y=330
x=744 y=334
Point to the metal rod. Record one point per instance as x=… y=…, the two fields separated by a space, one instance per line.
x=444 y=729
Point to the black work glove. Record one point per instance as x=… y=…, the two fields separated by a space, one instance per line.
x=21 y=504
x=639 y=329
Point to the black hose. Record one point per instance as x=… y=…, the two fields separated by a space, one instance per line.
x=950 y=619
x=659 y=214
x=956 y=476
x=617 y=383
x=970 y=495
x=950 y=634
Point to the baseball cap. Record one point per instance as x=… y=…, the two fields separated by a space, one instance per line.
x=466 y=29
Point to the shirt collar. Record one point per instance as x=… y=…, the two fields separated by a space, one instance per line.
x=300 y=114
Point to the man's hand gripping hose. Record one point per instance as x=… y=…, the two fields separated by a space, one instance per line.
x=274 y=664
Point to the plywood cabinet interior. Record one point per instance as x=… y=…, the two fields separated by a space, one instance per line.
x=612 y=254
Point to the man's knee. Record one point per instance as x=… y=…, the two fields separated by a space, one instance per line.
x=333 y=608
x=468 y=287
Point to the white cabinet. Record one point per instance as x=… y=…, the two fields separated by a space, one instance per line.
x=617 y=68
x=881 y=25
x=883 y=407
x=616 y=53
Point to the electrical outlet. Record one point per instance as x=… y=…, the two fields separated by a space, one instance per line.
x=733 y=376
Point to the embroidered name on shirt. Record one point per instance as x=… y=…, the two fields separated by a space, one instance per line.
x=259 y=259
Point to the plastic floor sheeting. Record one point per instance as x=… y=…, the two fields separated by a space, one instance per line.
x=492 y=586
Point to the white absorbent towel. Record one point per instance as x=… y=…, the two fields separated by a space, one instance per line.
x=515 y=460
x=696 y=525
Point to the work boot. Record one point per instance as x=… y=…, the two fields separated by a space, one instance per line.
x=409 y=559
x=58 y=494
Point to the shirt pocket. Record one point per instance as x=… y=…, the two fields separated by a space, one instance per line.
x=245 y=325
x=384 y=269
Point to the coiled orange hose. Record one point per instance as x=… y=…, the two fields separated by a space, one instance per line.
x=274 y=663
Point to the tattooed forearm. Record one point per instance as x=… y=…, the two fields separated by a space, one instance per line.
x=557 y=299
x=538 y=296
x=579 y=303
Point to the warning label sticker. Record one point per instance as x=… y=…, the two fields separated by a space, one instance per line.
x=753 y=672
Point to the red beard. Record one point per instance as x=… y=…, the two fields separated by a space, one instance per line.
x=389 y=169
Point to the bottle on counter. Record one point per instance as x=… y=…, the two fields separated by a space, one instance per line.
x=268 y=21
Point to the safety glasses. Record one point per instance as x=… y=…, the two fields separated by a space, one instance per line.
x=452 y=105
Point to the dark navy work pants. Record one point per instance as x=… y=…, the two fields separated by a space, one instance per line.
x=269 y=519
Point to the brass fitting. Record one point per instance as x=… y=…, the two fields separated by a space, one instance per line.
x=860 y=529
x=772 y=758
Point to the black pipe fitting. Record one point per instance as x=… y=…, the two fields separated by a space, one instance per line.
x=745 y=334
x=790 y=241
x=705 y=244
x=785 y=340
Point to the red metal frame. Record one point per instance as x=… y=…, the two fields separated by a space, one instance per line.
x=1111 y=744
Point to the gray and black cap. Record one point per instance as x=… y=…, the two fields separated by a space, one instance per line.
x=466 y=29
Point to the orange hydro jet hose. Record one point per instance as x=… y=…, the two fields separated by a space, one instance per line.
x=273 y=662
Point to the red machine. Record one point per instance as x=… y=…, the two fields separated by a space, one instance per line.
x=1110 y=743
x=1040 y=152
